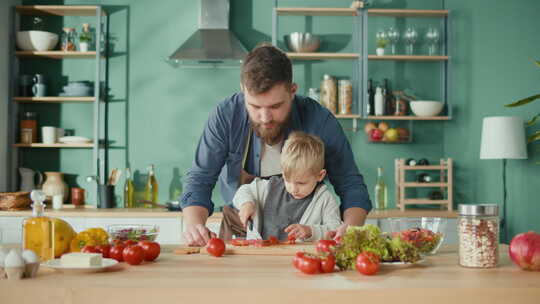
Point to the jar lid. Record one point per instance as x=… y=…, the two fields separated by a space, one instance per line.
x=480 y=209
x=327 y=77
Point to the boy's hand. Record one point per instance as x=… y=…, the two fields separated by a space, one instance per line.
x=246 y=211
x=299 y=231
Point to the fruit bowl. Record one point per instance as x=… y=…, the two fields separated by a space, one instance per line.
x=36 y=40
x=133 y=232
x=426 y=107
x=426 y=233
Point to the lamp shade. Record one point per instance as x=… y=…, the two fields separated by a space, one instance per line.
x=503 y=137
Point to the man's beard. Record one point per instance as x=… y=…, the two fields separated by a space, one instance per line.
x=270 y=136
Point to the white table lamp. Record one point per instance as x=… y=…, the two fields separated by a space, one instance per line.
x=503 y=138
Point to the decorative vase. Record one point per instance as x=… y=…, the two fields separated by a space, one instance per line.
x=380 y=51
x=54 y=185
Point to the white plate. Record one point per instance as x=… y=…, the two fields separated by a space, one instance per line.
x=57 y=265
x=402 y=263
x=74 y=140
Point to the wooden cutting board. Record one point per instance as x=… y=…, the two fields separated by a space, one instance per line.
x=277 y=250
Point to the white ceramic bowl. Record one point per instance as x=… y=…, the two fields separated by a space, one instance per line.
x=36 y=40
x=426 y=107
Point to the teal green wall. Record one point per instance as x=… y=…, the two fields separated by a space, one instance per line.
x=157 y=112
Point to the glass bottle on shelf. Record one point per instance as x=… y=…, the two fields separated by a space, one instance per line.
x=410 y=162
x=388 y=98
x=381 y=191
x=38 y=230
x=424 y=178
x=379 y=102
x=68 y=39
x=371 y=99
x=151 y=188
x=423 y=162
x=129 y=190
x=175 y=187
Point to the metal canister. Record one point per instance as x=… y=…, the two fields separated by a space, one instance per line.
x=478 y=233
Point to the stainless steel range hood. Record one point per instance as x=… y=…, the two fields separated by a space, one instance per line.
x=213 y=44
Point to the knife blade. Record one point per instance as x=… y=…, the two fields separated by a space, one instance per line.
x=252 y=234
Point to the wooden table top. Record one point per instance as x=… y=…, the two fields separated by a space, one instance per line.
x=272 y=279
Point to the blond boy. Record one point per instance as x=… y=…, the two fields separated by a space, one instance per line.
x=298 y=203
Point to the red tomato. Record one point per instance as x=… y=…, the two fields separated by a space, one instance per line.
x=273 y=240
x=328 y=263
x=118 y=242
x=296 y=260
x=216 y=247
x=367 y=263
x=129 y=243
x=326 y=246
x=89 y=249
x=151 y=250
x=239 y=242
x=309 y=264
x=117 y=253
x=133 y=255
x=261 y=243
x=105 y=250
x=291 y=238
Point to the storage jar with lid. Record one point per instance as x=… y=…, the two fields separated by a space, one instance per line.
x=478 y=233
x=28 y=128
x=329 y=93
x=345 y=96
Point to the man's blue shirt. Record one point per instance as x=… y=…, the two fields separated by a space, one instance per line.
x=221 y=146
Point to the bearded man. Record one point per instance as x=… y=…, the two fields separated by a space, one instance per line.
x=242 y=139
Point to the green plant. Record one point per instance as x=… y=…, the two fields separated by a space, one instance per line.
x=536 y=135
x=85 y=37
x=382 y=42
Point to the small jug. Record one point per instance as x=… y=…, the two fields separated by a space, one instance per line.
x=28 y=178
x=54 y=185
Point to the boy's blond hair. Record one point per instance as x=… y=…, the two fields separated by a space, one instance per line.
x=302 y=153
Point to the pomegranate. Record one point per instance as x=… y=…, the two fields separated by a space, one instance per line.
x=525 y=250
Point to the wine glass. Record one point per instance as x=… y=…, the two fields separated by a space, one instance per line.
x=410 y=36
x=432 y=39
x=393 y=37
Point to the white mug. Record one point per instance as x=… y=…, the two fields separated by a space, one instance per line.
x=57 y=201
x=48 y=135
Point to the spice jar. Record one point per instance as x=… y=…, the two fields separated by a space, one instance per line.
x=345 y=96
x=68 y=39
x=478 y=233
x=329 y=93
x=28 y=128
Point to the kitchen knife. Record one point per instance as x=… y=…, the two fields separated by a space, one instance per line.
x=252 y=234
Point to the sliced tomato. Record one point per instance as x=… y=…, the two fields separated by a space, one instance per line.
x=261 y=243
x=240 y=242
x=273 y=240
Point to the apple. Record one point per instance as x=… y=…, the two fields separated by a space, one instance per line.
x=383 y=126
x=391 y=135
x=403 y=134
x=376 y=135
x=369 y=126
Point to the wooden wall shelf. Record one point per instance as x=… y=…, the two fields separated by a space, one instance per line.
x=322 y=56
x=407 y=13
x=408 y=57
x=347 y=116
x=59 y=10
x=56 y=54
x=54 y=99
x=407 y=118
x=315 y=11
x=36 y=145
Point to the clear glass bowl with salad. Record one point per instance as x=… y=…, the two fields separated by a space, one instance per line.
x=425 y=233
x=134 y=232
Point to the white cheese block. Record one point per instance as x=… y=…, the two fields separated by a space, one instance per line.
x=79 y=259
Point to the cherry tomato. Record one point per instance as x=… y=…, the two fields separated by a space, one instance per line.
x=117 y=253
x=273 y=240
x=129 y=243
x=326 y=246
x=133 y=255
x=151 y=250
x=296 y=260
x=117 y=242
x=291 y=238
x=105 y=250
x=328 y=263
x=89 y=249
x=239 y=242
x=216 y=247
x=367 y=263
x=309 y=264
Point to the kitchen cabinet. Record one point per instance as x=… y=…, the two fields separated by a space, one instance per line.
x=360 y=56
x=50 y=154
